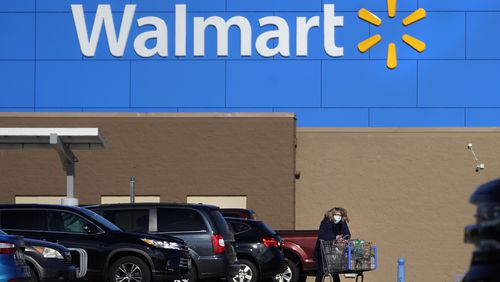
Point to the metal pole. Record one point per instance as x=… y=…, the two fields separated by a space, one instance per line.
x=401 y=269
x=132 y=189
x=70 y=179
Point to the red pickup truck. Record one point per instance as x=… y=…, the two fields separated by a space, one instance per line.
x=298 y=248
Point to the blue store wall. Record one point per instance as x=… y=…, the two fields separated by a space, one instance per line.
x=455 y=82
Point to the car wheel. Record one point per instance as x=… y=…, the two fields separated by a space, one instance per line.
x=247 y=273
x=131 y=269
x=290 y=274
x=33 y=275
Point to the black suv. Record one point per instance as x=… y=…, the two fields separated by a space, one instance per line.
x=100 y=249
x=202 y=227
x=259 y=250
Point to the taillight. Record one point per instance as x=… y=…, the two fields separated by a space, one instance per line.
x=270 y=242
x=218 y=244
x=7 y=248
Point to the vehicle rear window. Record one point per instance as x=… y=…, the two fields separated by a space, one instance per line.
x=221 y=225
x=129 y=220
x=23 y=220
x=239 y=228
x=180 y=220
x=253 y=229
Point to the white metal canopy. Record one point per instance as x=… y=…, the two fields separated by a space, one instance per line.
x=63 y=140
x=74 y=138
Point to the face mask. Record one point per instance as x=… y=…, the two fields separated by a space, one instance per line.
x=337 y=218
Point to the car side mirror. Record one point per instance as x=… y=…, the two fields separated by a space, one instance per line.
x=90 y=228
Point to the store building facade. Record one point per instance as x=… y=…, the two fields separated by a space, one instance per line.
x=164 y=80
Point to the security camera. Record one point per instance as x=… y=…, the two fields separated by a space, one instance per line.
x=480 y=167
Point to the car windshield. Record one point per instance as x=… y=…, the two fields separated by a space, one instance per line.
x=101 y=220
x=3 y=233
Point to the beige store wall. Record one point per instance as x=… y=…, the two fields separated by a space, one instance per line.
x=172 y=156
x=405 y=189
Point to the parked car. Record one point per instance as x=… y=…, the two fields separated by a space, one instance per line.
x=13 y=266
x=259 y=250
x=202 y=227
x=298 y=248
x=48 y=262
x=240 y=213
x=101 y=250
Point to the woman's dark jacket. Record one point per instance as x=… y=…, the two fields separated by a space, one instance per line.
x=328 y=231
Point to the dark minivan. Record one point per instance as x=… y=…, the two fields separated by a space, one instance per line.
x=202 y=227
x=100 y=249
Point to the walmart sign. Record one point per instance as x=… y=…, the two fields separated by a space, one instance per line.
x=281 y=33
x=340 y=63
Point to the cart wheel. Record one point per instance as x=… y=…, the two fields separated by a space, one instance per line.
x=362 y=277
x=327 y=275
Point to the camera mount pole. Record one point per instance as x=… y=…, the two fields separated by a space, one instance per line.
x=479 y=166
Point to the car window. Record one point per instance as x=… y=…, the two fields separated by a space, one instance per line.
x=179 y=220
x=239 y=228
x=221 y=224
x=101 y=220
x=129 y=220
x=22 y=220
x=61 y=221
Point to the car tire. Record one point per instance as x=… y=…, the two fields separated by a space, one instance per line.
x=33 y=274
x=248 y=272
x=290 y=274
x=132 y=266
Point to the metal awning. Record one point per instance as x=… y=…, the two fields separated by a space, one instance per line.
x=74 y=138
x=63 y=140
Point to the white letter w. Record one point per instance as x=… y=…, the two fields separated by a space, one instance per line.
x=103 y=15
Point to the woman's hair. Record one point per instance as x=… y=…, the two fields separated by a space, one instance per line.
x=329 y=214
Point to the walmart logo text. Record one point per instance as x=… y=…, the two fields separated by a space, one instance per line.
x=273 y=38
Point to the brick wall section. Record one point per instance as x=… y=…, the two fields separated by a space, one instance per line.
x=453 y=83
x=171 y=156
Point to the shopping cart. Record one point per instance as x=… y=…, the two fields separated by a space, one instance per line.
x=355 y=257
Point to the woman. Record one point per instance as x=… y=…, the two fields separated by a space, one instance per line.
x=332 y=227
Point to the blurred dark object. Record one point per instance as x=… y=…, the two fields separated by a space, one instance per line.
x=485 y=234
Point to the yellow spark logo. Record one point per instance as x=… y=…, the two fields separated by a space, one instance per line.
x=392 y=58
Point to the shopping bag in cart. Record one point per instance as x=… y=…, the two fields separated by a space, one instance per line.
x=362 y=256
